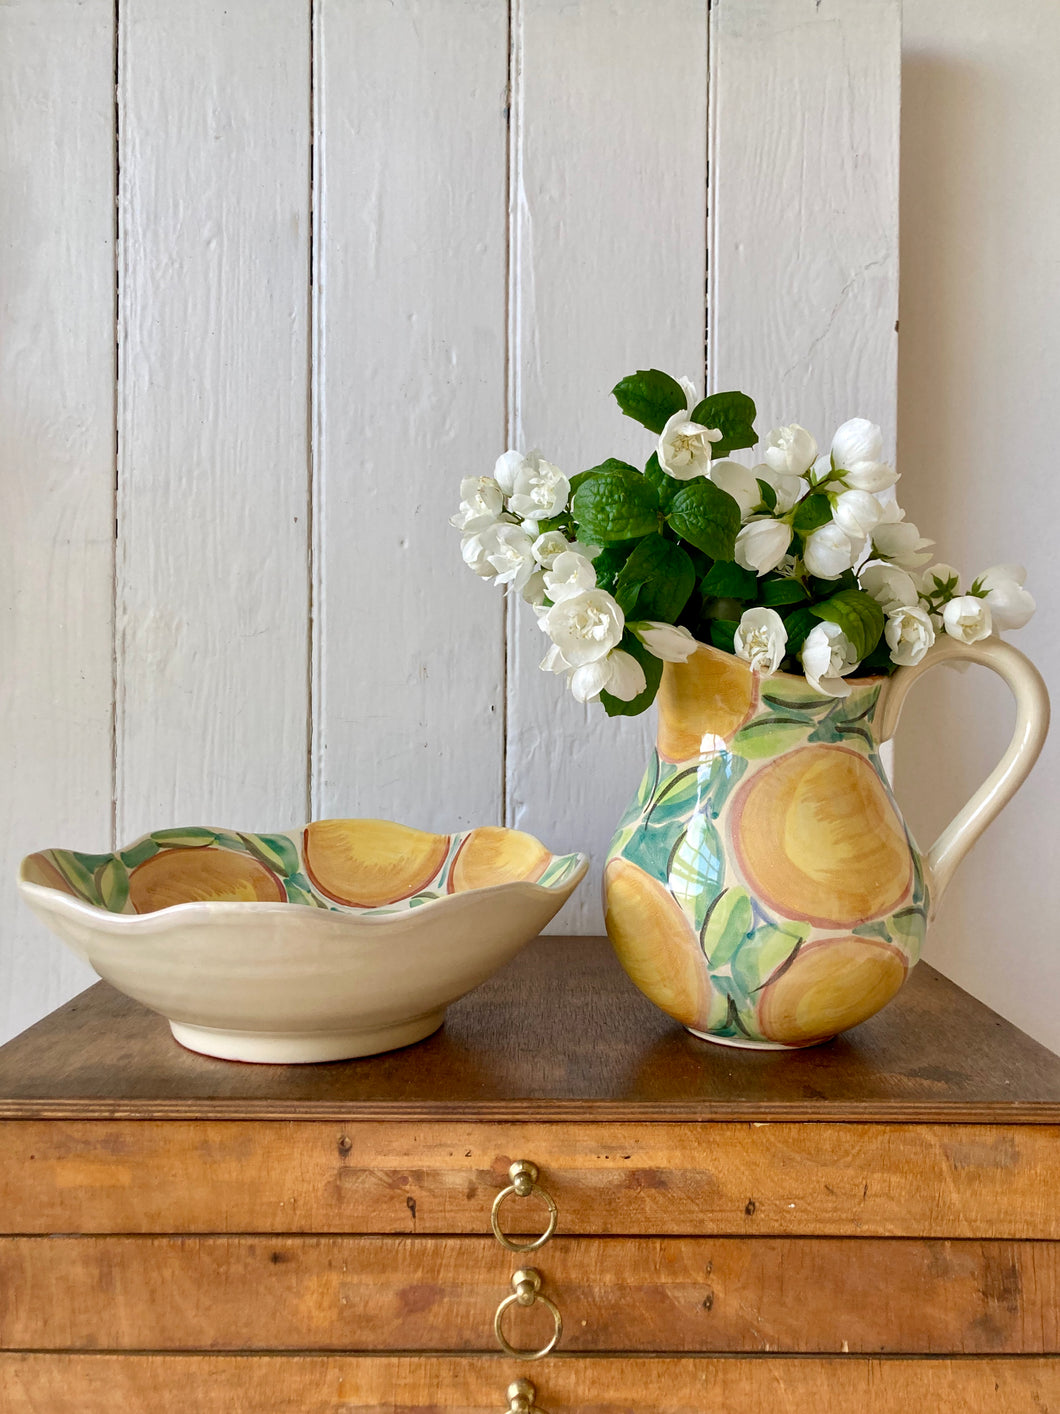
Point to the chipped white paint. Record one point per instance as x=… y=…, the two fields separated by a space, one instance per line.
x=346 y=282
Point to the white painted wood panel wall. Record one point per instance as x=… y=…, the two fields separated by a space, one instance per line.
x=359 y=248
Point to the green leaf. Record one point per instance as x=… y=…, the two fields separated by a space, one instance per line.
x=723 y=634
x=76 y=873
x=137 y=853
x=727 y=580
x=726 y=926
x=276 y=851
x=112 y=881
x=733 y=414
x=608 y=563
x=697 y=869
x=768 y=494
x=666 y=486
x=798 y=626
x=615 y=505
x=675 y=799
x=777 y=591
x=614 y=706
x=650 y=397
x=707 y=517
x=857 y=614
x=190 y=837
x=769 y=736
x=812 y=513
x=657 y=580
x=765 y=953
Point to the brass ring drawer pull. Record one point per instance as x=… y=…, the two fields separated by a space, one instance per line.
x=521 y=1398
x=526 y=1284
x=523 y=1175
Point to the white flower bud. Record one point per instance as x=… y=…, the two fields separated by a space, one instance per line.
x=789 y=450
x=891 y=588
x=827 y=657
x=762 y=544
x=967 y=618
x=1010 y=604
x=830 y=551
x=671 y=643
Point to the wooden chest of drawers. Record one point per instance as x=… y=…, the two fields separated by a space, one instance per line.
x=851 y=1228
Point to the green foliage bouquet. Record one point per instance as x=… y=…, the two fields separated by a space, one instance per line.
x=797 y=563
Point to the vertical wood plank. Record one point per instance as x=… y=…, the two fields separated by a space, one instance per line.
x=410 y=380
x=214 y=146
x=804 y=209
x=56 y=464
x=608 y=269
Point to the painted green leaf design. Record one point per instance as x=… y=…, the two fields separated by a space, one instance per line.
x=725 y=772
x=911 y=924
x=764 y=953
x=277 y=851
x=190 y=837
x=137 y=853
x=74 y=871
x=305 y=896
x=697 y=868
x=112 y=881
x=675 y=799
x=726 y=926
x=789 y=703
x=872 y=930
x=769 y=736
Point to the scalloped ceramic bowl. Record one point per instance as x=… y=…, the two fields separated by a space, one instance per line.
x=342 y=939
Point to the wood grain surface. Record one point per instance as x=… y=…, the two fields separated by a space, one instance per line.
x=323 y=1384
x=795 y=1295
x=512 y=1051
x=744 y=1179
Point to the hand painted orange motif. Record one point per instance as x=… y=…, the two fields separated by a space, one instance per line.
x=832 y=984
x=818 y=839
x=368 y=863
x=656 y=943
x=492 y=855
x=197 y=875
x=709 y=696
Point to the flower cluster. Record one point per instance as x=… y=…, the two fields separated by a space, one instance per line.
x=798 y=562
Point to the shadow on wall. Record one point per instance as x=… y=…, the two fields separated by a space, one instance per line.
x=974 y=394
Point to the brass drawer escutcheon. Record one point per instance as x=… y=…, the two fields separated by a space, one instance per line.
x=526 y=1289
x=523 y=1175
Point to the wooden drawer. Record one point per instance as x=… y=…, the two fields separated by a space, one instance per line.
x=795 y=1295
x=321 y=1384
x=715 y=1178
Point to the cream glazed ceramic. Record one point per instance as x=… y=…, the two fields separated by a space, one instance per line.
x=762 y=887
x=343 y=939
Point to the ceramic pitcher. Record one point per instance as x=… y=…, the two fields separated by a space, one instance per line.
x=763 y=888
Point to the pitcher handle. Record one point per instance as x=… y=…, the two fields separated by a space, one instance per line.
x=1032 y=723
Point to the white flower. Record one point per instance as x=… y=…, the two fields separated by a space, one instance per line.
x=473 y=548
x=509 y=550
x=761 y=640
x=740 y=483
x=481 y=503
x=857 y=512
x=789 y=489
x=909 y=633
x=619 y=674
x=967 y=618
x=940 y=581
x=504 y=471
x=684 y=447
x=1010 y=604
x=533 y=591
x=669 y=642
x=762 y=544
x=584 y=627
x=857 y=449
x=570 y=574
x=899 y=541
x=689 y=389
x=891 y=588
x=858 y=440
x=827 y=657
x=830 y=550
x=789 y=450
x=546 y=547
x=539 y=489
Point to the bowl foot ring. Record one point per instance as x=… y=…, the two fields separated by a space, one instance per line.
x=304 y=1047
